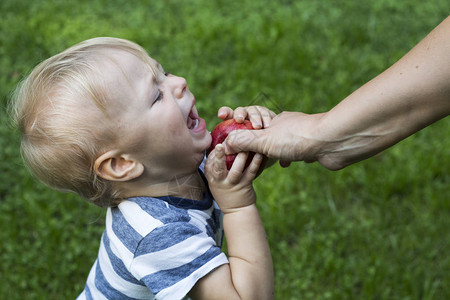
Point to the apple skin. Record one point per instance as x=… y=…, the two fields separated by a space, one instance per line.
x=220 y=133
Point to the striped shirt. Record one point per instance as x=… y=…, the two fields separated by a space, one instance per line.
x=156 y=248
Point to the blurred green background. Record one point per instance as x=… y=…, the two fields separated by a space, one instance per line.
x=379 y=229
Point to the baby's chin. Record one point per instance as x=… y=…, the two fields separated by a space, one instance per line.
x=207 y=140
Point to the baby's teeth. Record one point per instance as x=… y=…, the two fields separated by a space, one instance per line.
x=196 y=123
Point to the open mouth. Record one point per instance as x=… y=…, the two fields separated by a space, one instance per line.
x=192 y=120
x=194 y=123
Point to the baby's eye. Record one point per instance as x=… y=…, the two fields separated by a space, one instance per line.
x=159 y=96
x=167 y=74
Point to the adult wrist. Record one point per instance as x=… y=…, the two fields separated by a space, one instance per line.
x=326 y=143
x=313 y=143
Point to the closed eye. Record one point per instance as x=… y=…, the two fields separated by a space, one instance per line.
x=159 y=96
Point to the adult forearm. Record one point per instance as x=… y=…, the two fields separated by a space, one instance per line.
x=407 y=97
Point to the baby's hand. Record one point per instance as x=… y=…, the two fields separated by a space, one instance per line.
x=232 y=189
x=260 y=116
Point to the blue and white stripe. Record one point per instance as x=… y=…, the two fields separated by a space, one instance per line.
x=156 y=248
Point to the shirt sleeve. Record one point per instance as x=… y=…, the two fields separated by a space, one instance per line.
x=173 y=257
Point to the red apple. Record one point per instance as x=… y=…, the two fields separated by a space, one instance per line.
x=220 y=133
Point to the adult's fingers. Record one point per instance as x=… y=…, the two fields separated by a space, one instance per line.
x=245 y=141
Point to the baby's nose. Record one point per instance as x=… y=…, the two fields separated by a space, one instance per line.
x=180 y=87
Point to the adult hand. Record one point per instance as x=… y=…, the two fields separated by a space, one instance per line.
x=290 y=137
x=405 y=98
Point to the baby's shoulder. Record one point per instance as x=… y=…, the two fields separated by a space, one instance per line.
x=143 y=211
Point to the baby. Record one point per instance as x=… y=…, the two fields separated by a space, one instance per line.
x=104 y=120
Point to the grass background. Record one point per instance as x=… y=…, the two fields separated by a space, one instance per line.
x=379 y=229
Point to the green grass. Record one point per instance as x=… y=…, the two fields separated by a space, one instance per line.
x=379 y=229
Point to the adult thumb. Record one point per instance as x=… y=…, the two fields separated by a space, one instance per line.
x=245 y=141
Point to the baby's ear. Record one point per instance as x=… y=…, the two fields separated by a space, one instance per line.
x=117 y=167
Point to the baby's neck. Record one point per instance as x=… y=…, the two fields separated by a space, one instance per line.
x=188 y=186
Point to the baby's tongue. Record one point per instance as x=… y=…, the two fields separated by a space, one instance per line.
x=190 y=122
x=192 y=119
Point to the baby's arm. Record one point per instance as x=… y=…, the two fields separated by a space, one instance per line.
x=249 y=275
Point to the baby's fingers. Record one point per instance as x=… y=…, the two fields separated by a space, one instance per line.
x=254 y=116
x=240 y=114
x=215 y=167
x=267 y=116
x=260 y=116
x=235 y=173
x=225 y=113
x=252 y=170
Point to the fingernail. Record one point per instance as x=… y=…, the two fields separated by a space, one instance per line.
x=224 y=147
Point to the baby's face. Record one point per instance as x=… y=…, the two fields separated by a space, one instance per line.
x=155 y=116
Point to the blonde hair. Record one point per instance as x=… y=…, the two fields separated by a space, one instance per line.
x=52 y=108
